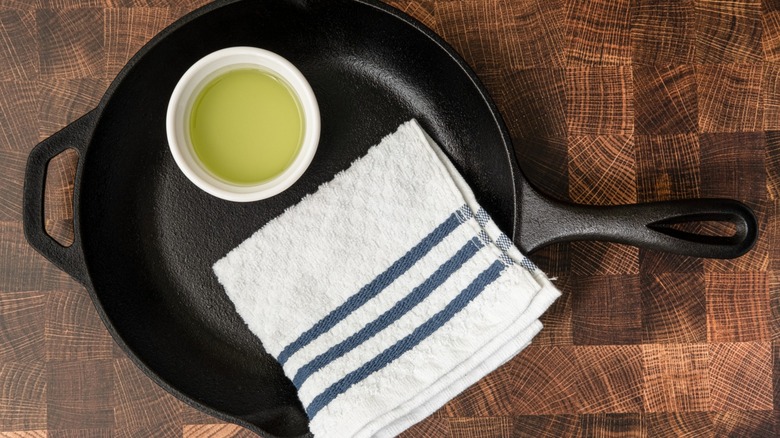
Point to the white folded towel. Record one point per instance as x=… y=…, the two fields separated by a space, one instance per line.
x=387 y=292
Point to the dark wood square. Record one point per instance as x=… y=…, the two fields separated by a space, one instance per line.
x=539 y=388
x=63 y=101
x=80 y=394
x=18 y=115
x=598 y=32
x=728 y=31
x=536 y=99
x=743 y=424
x=73 y=329
x=721 y=107
x=610 y=378
x=600 y=100
x=727 y=171
x=548 y=426
x=20 y=60
x=71 y=43
x=668 y=167
x=612 y=425
x=509 y=42
x=737 y=307
x=23 y=388
x=679 y=424
x=665 y=100
x=606 y=310
x=663 y=32
x=23 y=269
x=11 y=183
x=140 y=403
x=674 y=308
x=21 y=327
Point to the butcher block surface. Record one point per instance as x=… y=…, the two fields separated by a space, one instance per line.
x=608 y=102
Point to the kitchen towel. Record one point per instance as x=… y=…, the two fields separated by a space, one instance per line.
x=387 y=292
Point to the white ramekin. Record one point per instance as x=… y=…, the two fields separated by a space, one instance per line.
x=180 y=106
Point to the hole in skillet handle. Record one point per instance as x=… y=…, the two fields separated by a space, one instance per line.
x=74 y=136
x=58 y=196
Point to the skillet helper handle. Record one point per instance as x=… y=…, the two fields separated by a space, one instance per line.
x=76 y=136
x=545 y=221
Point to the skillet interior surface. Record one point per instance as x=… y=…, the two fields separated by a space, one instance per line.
x=149 y=236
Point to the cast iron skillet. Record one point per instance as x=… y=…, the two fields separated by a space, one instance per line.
x=146 y=237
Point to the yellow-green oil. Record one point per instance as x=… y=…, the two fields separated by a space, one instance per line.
x=246 y=126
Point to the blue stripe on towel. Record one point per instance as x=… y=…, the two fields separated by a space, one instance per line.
x=412 y=340
x=400 y=309
x=373 y=288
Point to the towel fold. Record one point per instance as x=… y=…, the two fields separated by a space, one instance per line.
x=387 y=292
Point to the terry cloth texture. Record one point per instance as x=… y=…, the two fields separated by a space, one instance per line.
x=387 y=292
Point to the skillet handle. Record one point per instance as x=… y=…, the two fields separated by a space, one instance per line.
x=76 y=135
x=545 y=221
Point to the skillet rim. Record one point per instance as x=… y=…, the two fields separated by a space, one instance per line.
x=98 y=112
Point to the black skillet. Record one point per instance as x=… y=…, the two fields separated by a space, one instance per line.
x=146 y=237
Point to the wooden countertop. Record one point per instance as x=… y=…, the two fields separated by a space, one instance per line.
x=608 y=101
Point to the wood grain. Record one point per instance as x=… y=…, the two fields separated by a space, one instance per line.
x=663 y=32
x=607 y=102
x=23 y=396
x=741 y=376
x=676 y=378
x=729 y=97
x=728 y=31
x=599 y=100
x=737 y=307
x=598 y=32
x=20 y=60
x=18 y=115
x=674 y=308
x=71 y=43
x=607 y=310
x=666 y=100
